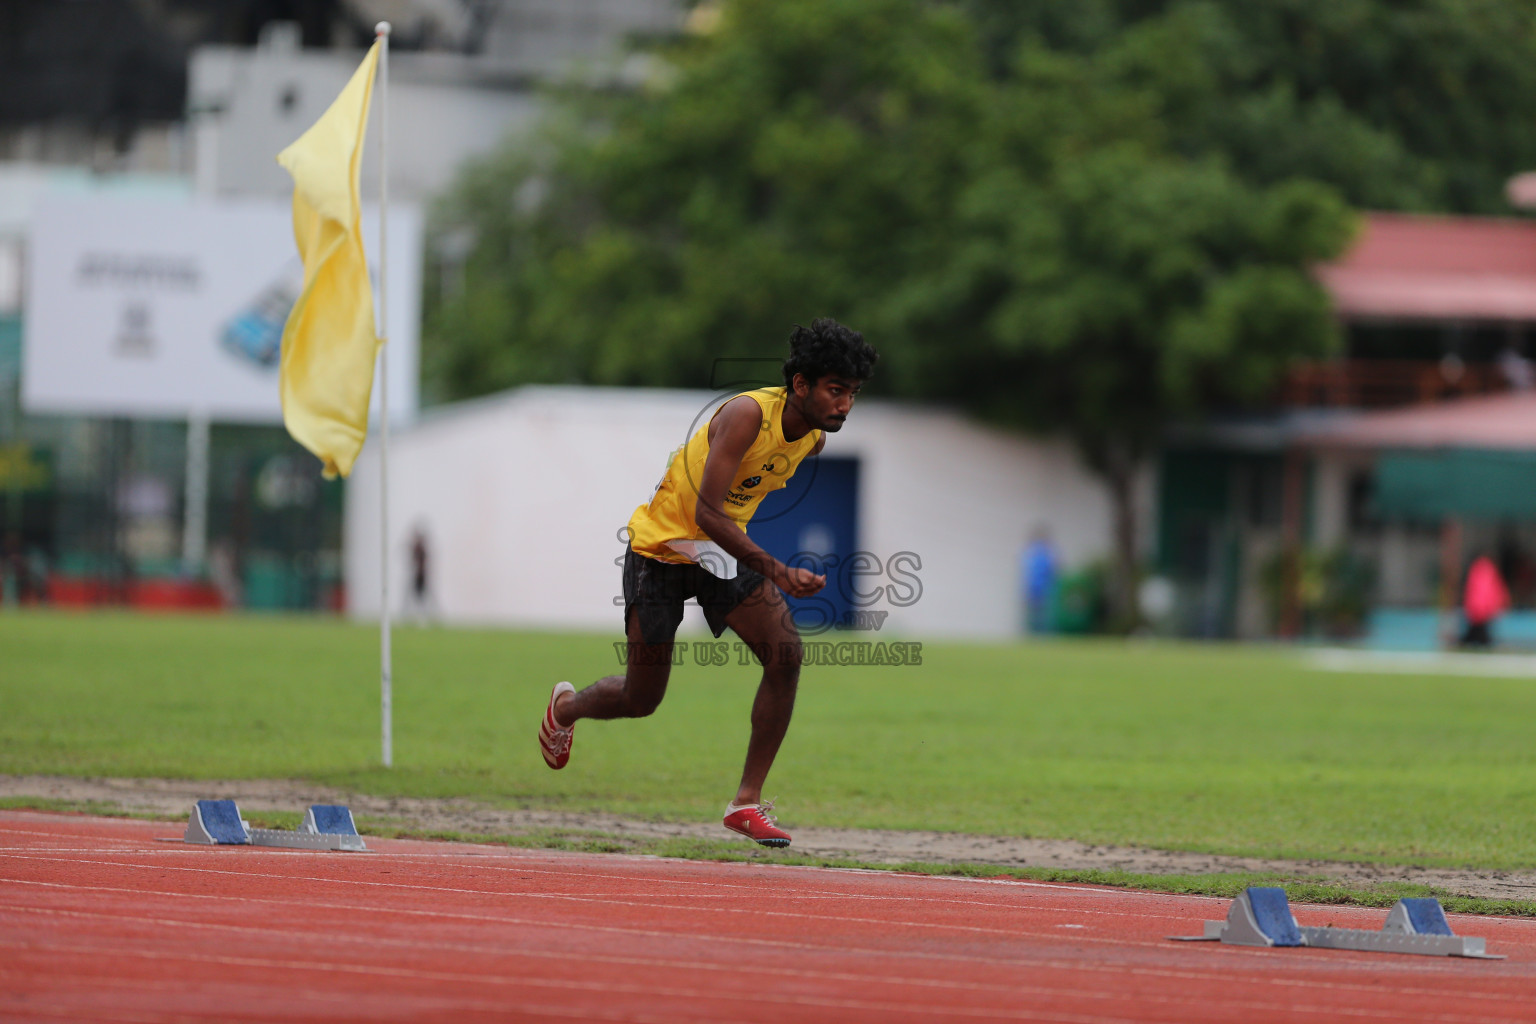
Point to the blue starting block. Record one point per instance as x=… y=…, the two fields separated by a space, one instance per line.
x=1262 y=916
x=325 y=827
x=217 y=823
x=329 y=819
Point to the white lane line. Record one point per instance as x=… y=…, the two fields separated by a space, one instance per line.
x=331 y=938
x=291 y=999
x=820 y=917
x=747 y=891
x=287 y=967
x=555 y=857
x=732 y=966
x=543 y=856
x=1302 y=955
x=115 y=1015
x=709 y=994
x=753 y=911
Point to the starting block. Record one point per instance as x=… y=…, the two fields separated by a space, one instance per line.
x=328 y=819
x=325 y=827
x=217 y=822
x=1262 y=916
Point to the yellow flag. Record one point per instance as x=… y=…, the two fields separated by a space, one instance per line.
x=329 y=344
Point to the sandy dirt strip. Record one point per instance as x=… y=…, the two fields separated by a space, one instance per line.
x=174 y=797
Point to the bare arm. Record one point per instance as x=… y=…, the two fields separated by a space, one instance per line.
x=731 y=433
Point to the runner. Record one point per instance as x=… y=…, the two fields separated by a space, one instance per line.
x=691 y=542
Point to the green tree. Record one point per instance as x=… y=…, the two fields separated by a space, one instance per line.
x=1038 y=247
x=1102 y=285
x=768 y=173
x=1401 y=104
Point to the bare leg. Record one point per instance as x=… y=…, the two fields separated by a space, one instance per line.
x=763 y=621
x=634 y=694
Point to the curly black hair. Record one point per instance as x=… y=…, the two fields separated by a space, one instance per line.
x=827 y=347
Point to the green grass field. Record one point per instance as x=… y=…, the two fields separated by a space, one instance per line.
x=1212 y=748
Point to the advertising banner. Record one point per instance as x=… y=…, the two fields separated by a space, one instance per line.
x=161 y=308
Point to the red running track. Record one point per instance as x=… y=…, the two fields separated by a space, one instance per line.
x=101 y=921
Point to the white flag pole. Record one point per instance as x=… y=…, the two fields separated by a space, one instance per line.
x=381 y=32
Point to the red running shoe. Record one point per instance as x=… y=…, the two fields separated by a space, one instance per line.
x=555 y=740
x=754 y=822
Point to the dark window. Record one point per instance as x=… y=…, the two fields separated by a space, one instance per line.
x=1361 y=509
x=1260 y=487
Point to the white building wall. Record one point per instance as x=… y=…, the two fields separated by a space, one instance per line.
x=247 y=105
x=523 y=497
x=1330 y=501
x=964 y=498
x=549 y=36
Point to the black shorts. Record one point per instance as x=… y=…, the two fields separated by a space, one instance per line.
x=657 y=591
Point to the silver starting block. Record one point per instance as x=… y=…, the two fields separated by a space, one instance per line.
x=325 y=827
x=1262 y=916
x=305 y=840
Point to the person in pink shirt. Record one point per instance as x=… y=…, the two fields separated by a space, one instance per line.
x=1485 y=599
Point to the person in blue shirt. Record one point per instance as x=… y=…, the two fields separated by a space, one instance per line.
x=1038 y=569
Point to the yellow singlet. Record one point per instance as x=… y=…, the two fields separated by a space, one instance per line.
x=767 y=466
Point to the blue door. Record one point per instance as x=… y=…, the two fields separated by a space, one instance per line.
x=813 y=523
